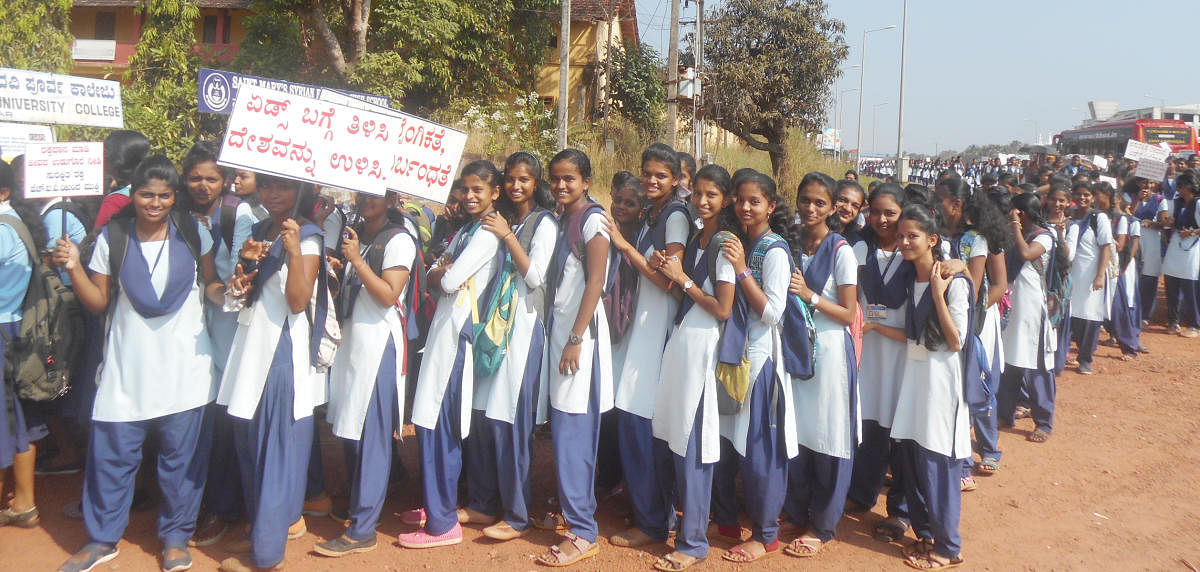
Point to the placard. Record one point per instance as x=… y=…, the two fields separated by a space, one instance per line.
x=64 y=170
x=1100 y=162
x=1152 y=169
x=219 y=89
x=367 y=150
x=1112 y=181
x=36 y=97
x=1139 y=151
x=15 y=136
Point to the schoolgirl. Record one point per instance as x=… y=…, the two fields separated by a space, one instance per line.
x=978 y=235
x=883 y=272
x=149 y=269
x=443 y=401
x=850 y=206
x=1029 y=365
x=637 y=357
x=228 y=221
x=689 y=427
x=1148 y=208
x=272 y=398
x=245 y=186
x=1181 y=264
x=759 y=432
x=579 y=353
x=20 y=422
x=1058 y=220
x=510 y=402
x=1124 y=323
x=932 y=422
x=1090 y=233
x=826 y=406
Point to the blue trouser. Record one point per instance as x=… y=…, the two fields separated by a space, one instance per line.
x=1147 y=295
x=479 y=450
x=372 y=460
x=314 y=481
x=872 y=458
x=691 y=489
x=816 y=493
x=987 y=434
x=273 y=449
x=576 y=437
x=608 y=455
x=223 y=492
x=1040 y=387
x=1087 y=338
x=1182 y=306
x=934 y=490
x=1064 y=340
x=653 y=512
x=1126 y=320
x=114 y=454
x=442 y=454
x=764 y=467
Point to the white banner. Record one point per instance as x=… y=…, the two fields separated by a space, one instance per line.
x=15 y=136
x=1138 y=151
x=1151 y=169
x=36 y=97
x=64 y=170
x=1100 y=162
x=370 y=149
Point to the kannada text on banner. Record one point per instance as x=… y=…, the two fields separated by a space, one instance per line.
x=368 y=150
x=219 y=89
x=36 y=97
x=64 y=170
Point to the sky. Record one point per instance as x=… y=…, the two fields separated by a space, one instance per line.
x=984 y=72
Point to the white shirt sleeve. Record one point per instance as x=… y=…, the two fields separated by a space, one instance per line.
x=1104 y=233
x=1072 y=239
x=1135 y=228
x=593 y=225
x=399 y=252
x=677 y=228
x=979 y=247
x=845 y=267
x=1122 y=227
x=311 y=246
x=725 y=271
x=776 y=277
x=541 y=251
x=99 y=263
x=480 y=249
x=958 y=300
x=860 y=252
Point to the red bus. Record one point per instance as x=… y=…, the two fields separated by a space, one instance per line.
x=1112 y=136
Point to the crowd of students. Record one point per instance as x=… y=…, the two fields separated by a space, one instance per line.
x=701 y=327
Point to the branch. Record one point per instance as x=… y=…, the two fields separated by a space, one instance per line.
x=314 y=17
x=748 y=137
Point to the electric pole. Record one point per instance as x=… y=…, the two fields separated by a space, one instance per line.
x=564 y=71
x=673 y=75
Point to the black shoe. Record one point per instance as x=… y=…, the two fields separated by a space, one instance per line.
x=342 y=546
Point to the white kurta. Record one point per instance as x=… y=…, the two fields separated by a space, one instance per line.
x=931 y=410
x=1129 y=276
x=570 y=393
x=1183 y=255
x=222 y=325
x=1027 y=320
x=503 y=390
x=476 y=263
x=689 y=366
x=1151 y=244
x=883 y=358
x=763 y=342
x=364 y=339
x=153 y=366
x=637 y=358
x=1088 y=304
x=259 y=328
x=824 y=422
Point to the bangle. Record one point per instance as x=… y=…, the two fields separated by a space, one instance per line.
x=745 y=274
x=510 y=233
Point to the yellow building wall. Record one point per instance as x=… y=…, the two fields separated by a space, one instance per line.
x=581 y=81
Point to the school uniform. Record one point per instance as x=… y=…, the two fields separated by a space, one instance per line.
x=1125 y=314
x=366 y=385
x=762 y=432
x=20 y=423
x=966 y=247
x=156 y=378
x=1151 y=248
x=1029 y=364
x=881 y=294
x=1181 y=268
x=688 y=430
x=443 y=400
x=932 y=421
x=272 y=398
x=826 y=406
x=637 y=362
x=577 y=399
x=1089 y=308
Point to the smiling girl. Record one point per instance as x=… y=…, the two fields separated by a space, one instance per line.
x=1090 y=233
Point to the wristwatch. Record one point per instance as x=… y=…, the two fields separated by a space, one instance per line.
x=687 y=285
x=815 y=298
x=573 y=340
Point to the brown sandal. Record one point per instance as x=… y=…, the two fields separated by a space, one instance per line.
x=933 y=561
x=921 y=547
x=805 y=547
x=740 y=555
x=556 y=556
x=676 y=562
x=552 y=521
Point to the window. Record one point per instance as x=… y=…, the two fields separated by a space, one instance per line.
x=106 y=26
x=228 y=21
x=210 y=30
x=553 y=42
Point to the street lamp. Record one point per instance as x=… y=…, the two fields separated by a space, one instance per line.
x=900 y=162
x=874 y=108
x=1035 y=131
x=862 y=74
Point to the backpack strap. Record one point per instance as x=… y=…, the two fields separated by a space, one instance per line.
x=227 y=218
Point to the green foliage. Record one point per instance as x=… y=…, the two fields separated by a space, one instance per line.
x=637 y=90
x=272 y=46
x=769 y=65
x=35 y=35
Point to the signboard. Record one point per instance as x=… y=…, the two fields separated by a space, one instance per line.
x=1138 y=151
x=64 y=170
x=831 y=139
x=1151 y=169
x=1112 y=181
x=15 y=136
x=219 y=89
x=36 y=97
x=1100 y=162
x=368 y=150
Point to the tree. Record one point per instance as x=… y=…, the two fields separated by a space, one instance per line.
x=36 y=35
x=768 y=66
x=636 y=87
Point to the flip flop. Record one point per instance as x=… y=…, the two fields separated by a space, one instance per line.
x=931 y=561
x=804 y=548
x=739 y=555
x=669 y=563
x=1038 y=436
